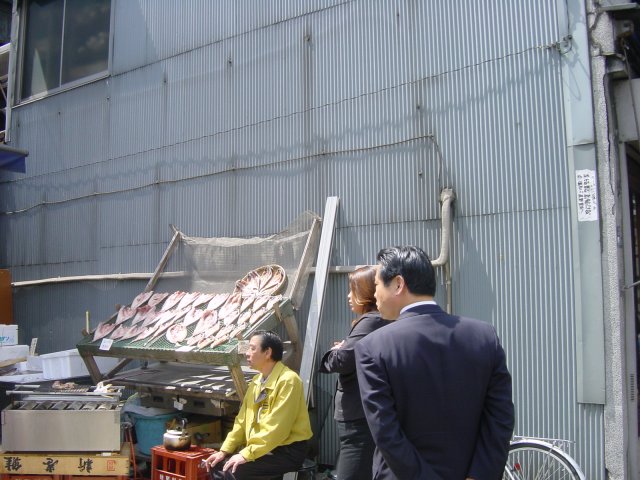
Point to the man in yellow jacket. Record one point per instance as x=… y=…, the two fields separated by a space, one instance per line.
x=271 y=431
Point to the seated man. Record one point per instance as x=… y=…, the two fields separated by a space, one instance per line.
x=272 y=428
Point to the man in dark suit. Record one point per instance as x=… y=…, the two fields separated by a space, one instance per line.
x=435 y=387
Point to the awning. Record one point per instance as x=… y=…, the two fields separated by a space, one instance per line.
x=12 y=159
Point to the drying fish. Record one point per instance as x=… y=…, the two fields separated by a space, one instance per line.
x=145 y=333
x=219 y=340
x=173 y=300
x=140 y=299
x=160 y=329
x=142 y=313
x=187 y=300
x=178 y=314
x=244 y=317
x=156 y=317
x=200 y=326
x=247 y=302
x=212 y=330
x=156 y=298
x=233 y=303
x=217 y=301
x=202 y=299
x=273 y=300
x=237 y=332
x=194 y=339
x=151 y=318
x=118 y=333
x=250 y=283
x=124 y=314
x=231 y=317
x=226 y=330
x=204 y=341
x=192 y=316
x=177 y=333
x=260 y=301
x=275 y=282
x=258 y=315
x=208 y=319
x=102 y=330
x=133 y=331
x=267 y=279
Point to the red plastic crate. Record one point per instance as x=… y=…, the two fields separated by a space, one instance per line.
x=179 y=465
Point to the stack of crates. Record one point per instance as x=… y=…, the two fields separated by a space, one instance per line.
x=179 y=465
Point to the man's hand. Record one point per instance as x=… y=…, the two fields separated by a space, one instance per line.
x=214 y=459
x=233 y=463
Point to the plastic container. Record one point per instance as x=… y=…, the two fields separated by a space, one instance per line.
x=12 y=352
x=149 y=430
x=69 y=363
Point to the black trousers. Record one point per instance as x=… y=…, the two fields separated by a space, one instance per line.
x=356 y=450
x=281 y=460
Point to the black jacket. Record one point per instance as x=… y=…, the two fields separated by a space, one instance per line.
x=348 y=405
x=437 y=395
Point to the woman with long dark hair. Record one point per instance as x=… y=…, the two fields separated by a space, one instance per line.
x=356 y=443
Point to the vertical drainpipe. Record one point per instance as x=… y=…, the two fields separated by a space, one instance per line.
x=13 y=62
x=447 y=197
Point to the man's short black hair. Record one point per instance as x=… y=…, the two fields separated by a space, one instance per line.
x=412 y=264
x=272 y=340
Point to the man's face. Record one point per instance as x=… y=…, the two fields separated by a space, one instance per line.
x=386 y=297
x=255 y=356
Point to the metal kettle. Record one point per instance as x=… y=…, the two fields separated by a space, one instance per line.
x=177 y=439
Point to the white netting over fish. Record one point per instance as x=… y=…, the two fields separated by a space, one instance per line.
x=216 y=265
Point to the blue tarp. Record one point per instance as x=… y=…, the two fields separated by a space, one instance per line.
x=13 y=159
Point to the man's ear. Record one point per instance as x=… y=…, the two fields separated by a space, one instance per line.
x=399 y=284
x=269 y=352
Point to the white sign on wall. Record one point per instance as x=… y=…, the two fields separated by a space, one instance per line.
x=587 y=197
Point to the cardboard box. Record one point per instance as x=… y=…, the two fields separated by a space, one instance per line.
x=205 y=433
x=8 y=335
x=82 y=463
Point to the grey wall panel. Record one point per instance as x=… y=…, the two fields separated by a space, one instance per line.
x=230 y=119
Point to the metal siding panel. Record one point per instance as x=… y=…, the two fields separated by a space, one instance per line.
x=227 y=120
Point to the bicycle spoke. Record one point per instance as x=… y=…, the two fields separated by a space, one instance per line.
x=539 y=460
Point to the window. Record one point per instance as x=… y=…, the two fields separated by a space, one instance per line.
x=65 y=42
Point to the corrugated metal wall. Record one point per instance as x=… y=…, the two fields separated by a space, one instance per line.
x=230 y=118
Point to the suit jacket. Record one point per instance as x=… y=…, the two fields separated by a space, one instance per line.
x=437 y=397
x=347 y=404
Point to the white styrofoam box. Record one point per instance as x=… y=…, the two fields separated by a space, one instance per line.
x=11 y=352
x=8 y=335
x=69 y=363
x=34 y=363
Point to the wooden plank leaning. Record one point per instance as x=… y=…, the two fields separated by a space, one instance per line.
x=317 y=294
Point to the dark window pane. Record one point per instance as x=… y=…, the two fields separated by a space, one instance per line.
x=41 y=68
x=86 y=38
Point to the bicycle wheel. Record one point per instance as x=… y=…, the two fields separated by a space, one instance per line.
x=538 y=460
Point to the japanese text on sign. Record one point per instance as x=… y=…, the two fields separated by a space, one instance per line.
x=586 y=195
x=50 y=464
x=12 y=464
x=85 y=465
